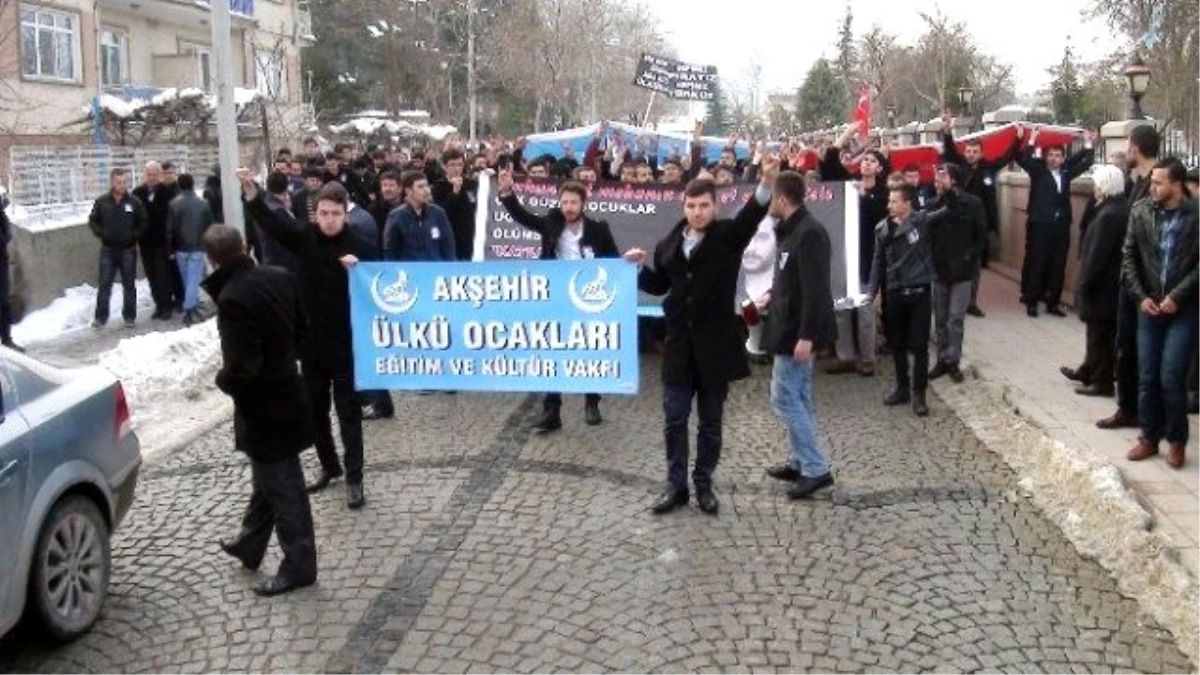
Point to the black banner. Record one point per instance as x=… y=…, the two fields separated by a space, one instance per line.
x=675 y=79
x=639 y=215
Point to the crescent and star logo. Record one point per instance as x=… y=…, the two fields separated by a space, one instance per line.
x=393 y=298
x=595 y=297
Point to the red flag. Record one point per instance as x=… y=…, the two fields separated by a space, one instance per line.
x=862 y=113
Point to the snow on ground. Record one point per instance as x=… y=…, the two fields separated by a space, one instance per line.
x=168 y=377
x=73 y=311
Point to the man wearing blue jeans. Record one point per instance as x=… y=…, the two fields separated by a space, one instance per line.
x=800 y=319
x=188 y=218
x=1161 y=270
x=118 y=219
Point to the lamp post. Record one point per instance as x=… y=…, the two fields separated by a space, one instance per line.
x=891 y=116
x=1137 y=75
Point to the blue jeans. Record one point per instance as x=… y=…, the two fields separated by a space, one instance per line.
x=677 y=408
x=191 y=268
x=112 y=261
x=1165 y=345
x=791 y=394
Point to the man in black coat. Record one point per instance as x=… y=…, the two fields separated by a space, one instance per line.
x=1098 y=285
x=118 y=219
x=261 y=322
x=696 y=266
x=324 y=253
x=958 y=240
x=566 y=235
x=1048 y=232
x=979 y=181
x=455 y=193
x=6 y=312
x=156 y=196
x=799 y=322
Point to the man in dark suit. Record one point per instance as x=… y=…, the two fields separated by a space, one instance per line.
x=696 y=266
x=1048 y=232
x=566 y=235
x=261 y=322
x=156 y=196
x=324 y=253
x=800 y=321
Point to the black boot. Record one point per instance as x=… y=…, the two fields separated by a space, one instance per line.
x=918 y=403
x=898 y=397
x=591 y=414
x=549 y=421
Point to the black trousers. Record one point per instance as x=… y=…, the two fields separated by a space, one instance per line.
x=908 y=314
x=158 y=274
x=279 y=503
x=1045 y=264
x=322 y=379
x=1099 y=361
x=5 y=305
x=677 y=409
x=554 y=401
x=381 y=399
x=1127 y=354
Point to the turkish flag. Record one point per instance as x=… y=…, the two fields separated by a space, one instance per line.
x=862 y=113
x=993 y=144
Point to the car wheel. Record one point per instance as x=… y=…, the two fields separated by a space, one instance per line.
x=68 y=581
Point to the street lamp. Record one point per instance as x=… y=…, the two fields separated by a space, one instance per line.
x=965 y=95
x=1137 y=74
x=891 y=116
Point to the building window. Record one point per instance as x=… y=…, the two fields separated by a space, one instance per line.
x=203 y=55
x=114 y=57
x=49 y=44
x=268 y=74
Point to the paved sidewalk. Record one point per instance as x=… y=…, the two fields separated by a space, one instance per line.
x=1025 y=354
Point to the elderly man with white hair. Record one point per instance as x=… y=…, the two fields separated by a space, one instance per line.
x=156 y=195
x=1099 y=281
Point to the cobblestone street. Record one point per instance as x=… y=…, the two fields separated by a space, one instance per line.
x=484 y=548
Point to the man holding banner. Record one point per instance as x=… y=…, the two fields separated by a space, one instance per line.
x=696 y=266
x=566 y=235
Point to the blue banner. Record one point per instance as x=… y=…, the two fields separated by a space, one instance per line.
x=540 y=326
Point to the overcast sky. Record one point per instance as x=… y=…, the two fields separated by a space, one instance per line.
x=786 y=36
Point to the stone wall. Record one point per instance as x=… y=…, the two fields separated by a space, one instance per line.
x=53 y=260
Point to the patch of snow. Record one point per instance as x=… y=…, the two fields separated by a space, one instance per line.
x=374 y=30
x=50 y=216
x=168 y=377
x=669 y=556
x=72 y=311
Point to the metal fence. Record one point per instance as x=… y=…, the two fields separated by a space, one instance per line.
x=1181 y=138
x=53 y=182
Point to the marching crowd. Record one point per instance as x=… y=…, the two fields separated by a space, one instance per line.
x=757 y=284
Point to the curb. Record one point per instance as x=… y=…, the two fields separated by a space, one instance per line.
x=1085 y=496
x=153 y=456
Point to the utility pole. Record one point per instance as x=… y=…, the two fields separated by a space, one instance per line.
x=227 y=140
x=472 y=7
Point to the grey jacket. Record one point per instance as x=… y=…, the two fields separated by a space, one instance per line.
x=188 y=219
x=903 y=258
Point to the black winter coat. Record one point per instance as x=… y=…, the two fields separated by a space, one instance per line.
x=261 y=321
x=979 y=179
x=460 y=211
x=596 y=234
x=1142 y=263
x=324 y=282
x=801 y=299
x=1099 y=280
x=118 y=224
x=958 y=237
x=704 y=339
x=157 y=201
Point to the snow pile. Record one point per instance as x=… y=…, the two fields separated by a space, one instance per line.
x=127 y=108
x=367 y=125
x=169 y=380
x=73 y=311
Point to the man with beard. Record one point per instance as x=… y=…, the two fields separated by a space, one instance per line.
x=157 y=196
x=455 y=193
x=391 y=197
x=304 y=202
x=261 y=321
x=1049 y=223
x=324 y=253
x=566 y=235
x=1142 y=154
x=696 y=266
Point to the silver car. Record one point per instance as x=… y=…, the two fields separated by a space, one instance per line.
x=69 y=464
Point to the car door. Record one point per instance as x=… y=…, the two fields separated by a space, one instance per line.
x=15 y=493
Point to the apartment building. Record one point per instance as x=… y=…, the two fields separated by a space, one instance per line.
x=57 y=56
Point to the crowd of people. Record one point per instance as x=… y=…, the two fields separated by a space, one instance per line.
x=756 y=284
